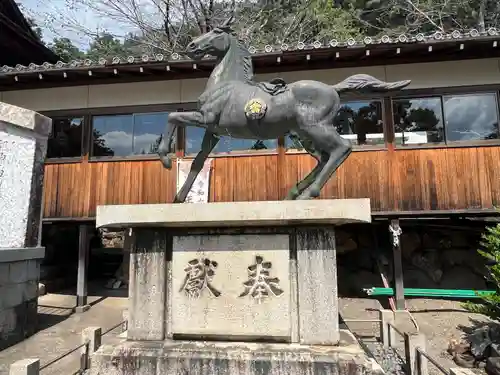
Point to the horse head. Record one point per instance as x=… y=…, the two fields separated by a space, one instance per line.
x=216 y=42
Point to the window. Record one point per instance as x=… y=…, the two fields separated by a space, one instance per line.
x=447 y=119
x=358 y=121
x=126 y=135
x=65 y=140
x=471 y=117
x=418 y=121
x=194 y=136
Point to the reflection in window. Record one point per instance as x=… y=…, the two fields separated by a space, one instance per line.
x=148 y=130
x=194 y=136
x=418 y=121
x=65 y=140
x=125 y=135
x=471 y=117
x=358 y=121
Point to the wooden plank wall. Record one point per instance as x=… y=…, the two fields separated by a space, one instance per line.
x=401 y=180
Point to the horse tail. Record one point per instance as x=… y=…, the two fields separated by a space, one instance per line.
x=367 y=84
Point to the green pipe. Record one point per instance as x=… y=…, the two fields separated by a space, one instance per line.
x=417 y=292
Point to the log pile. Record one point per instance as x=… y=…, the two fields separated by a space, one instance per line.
x=478 y=349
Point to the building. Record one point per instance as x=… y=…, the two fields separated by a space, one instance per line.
x=19 y=43
x=431 y=150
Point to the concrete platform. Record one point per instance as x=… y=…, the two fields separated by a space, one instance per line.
x=231 y=214
x=235 y=358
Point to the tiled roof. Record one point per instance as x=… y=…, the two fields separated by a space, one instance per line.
x=366 y=42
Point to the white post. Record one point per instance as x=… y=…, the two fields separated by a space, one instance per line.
x=25 y=367
x=416 y=364
x=92 y=335
x=461 y=371
x=386 y=332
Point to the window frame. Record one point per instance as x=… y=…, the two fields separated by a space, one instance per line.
x=126 y=110
x=387 y=118
x=68 y=114
x=497 y=108
x=449 y=91
x=425 y=145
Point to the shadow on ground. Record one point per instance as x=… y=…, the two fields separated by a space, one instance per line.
x=60 y=328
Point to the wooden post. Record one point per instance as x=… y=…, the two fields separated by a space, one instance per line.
x=396 y=231
x=83 y=260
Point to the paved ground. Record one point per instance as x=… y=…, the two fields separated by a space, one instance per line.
x=438 y=320
x=60 y=331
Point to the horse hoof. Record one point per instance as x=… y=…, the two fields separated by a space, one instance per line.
x=166 y=161
x=314 y=193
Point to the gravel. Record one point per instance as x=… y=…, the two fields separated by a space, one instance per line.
x=438 y=320
x=387 y=358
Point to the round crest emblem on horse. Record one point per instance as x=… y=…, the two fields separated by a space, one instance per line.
x=234 y=104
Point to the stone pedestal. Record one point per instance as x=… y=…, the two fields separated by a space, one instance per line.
x=23 y=142
x=249 y=287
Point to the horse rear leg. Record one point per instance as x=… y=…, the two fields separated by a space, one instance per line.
x=325 y=139
x=295 y=192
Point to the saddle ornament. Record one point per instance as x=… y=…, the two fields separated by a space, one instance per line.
x=255 y=109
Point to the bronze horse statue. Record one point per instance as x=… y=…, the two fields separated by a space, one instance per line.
x=234 y=104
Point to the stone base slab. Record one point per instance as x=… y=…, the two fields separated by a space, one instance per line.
x=222 y=358
x=233 y=214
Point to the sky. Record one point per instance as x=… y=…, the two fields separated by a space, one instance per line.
x=42 y=10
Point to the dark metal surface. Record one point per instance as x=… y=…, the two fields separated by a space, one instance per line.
x=421 y=352
x=234 y=104
x=396 y=232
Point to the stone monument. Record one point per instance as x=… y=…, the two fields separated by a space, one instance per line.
x=23 y=144
x=238 y=288
x=242 y=288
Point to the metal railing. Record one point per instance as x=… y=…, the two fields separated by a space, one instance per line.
x=83 y=365
x=91 y=341
x=415 y=357
x=422 y=356
x=415 y=343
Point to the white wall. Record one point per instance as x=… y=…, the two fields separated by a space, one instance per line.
x=439 y=74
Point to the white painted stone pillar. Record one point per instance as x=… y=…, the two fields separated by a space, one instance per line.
x=23 y=143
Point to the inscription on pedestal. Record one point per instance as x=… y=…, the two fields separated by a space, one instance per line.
x=231 y=285
x=260 y=284
x=199 y=275
x=16 y=170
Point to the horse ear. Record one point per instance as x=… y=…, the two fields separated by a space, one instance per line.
x=228 y=22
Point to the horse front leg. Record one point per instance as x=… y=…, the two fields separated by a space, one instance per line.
x=165 y=147
x=210 y=140
x=176 y=119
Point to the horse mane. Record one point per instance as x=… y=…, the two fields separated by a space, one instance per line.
x=246 y=56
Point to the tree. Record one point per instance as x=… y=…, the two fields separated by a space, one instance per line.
x=490 y=251
x=36 y=29
x=106 y=45
x=66 y=50
x=166 y=26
